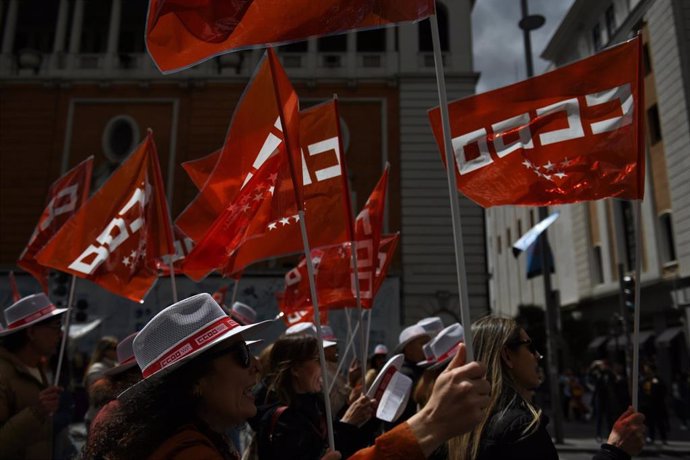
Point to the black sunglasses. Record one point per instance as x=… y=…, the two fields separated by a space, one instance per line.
x=531 y=347
x=240 y=351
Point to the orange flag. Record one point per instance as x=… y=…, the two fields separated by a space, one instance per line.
x=573 y=134
x=181 y=33
x=65 y=196
x=256 y=133
x=326 y=204
x=118 y=237
x=335 y=282
x=200 y=169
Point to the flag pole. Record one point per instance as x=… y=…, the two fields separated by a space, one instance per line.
x=235 y=291
x=452 y=190
x=16 y=295
x=317 y=323
x=637 y=215
x=350 y=341
x=173 y=283
x=270 y=55
x=65 y=334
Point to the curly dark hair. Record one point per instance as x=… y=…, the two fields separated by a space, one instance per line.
x=152 y=413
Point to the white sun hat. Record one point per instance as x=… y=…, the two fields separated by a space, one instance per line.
x=125 y=356
x=443 y=347
x=408 y=335
x=310 y=329
x=433 y=325
x=243 y=313
x=28 y=311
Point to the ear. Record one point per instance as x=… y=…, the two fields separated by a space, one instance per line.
x=506 y=356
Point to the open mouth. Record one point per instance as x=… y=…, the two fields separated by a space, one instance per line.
x=248 y=393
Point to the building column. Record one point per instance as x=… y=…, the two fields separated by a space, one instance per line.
x=75 y=33
x=351 y=55
x=60 y=34
x=391 y=55
x=8 y=35
x=111 y=58
x=312 y=57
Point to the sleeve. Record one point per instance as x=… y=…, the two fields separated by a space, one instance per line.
x=16 y=430
x=398 y=444
x=610 y=452
x=288 y=440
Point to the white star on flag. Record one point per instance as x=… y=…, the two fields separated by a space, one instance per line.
x=272 y=226
x=527 y=164
x=549 y=166
x=565 y=163
x=126 y=262
x=296 y=217
x=258 y=197
x=133 y=254
x=285 y=221
x=273 y=177
x=560 y=174
x=245 y=208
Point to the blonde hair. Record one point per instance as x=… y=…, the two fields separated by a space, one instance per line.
x=491 y=335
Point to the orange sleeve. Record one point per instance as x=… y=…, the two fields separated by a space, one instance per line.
x=398 y=444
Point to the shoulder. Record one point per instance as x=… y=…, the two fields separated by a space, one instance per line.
x=507 y=426
x=188 y=443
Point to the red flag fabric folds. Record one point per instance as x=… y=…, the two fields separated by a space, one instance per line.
x=573 y=134
x=118 y=237
x=200 y=169
x=181 y=33
x=65 y=196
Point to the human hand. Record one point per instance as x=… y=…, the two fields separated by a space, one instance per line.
x=48 y=401
x=628 y=432
x=354 y=373
x=360 y=411
x=331 y=455
x=461 y=393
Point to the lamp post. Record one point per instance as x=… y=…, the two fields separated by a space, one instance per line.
x=528 y=23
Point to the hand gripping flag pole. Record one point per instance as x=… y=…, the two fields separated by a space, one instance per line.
x=452 y=190
x=307 y=255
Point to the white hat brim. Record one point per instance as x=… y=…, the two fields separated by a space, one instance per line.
x=401 y=346
x=57 y=311
x=250 y=332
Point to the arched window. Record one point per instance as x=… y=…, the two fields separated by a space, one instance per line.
x=425 y=44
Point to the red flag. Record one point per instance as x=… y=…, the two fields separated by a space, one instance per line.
x=334 y=275
x=219 y=295
x=573 y=134
x=256 y=133
x=182 y=245
x=300 y=316
x=387 y=247
x=200 y=169
x=65 y=196
x=325 y=195
x=257 y=204
x=16 y=295
x=118 y=237
x=181 y=33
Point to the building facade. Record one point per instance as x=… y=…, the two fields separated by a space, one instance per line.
x=593 y=243
x=75 y=80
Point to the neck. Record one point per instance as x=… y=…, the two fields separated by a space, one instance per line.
x=526 y=394
x=28 y=356
x=212 y=421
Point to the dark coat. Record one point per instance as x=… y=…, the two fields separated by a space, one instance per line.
x=299 y=431
x=503 y=438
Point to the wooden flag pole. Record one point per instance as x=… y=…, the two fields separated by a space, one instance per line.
x=65 y=334
x=452 y=190
x=637 y=215
x=317 y=323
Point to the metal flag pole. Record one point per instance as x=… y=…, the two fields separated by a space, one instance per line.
x=317 y=323
x=350 y=341
x=235 y=291
x=173 y=282
x=452 y=190
x=360 y=313
x=637 y=215
x=65 y=334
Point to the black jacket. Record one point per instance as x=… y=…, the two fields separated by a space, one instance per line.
x=503 y=439
x=299 y=431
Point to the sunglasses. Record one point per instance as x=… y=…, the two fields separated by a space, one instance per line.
x=531 y=347
x=240 y=351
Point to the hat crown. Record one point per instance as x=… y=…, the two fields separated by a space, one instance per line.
x=243 y=312
x=302 y=328
x=173 y=325
x=25 y=307
x=445 y=341
x=125 y=348
x=327 y=333
x=433 y=325
x=411 y=332
x=381 y=349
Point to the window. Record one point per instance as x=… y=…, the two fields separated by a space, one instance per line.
x=132 y=26
x=425 y=42
x=509 y=239
x=596 y=38
x=333 y=43
x=36 y=23
x=120 y=137
x=94 y=32
x=372 y=41
x=519 y=228
x=610 y=16
x=654 y=124
x=531 y=218
x=668 y=247
x=646 y=60
x=598 y=265
x=498 y=244
x=626 y=210
x=297 y=47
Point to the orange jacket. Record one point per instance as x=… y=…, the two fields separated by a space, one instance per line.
x=397 y=444
x=187 y=444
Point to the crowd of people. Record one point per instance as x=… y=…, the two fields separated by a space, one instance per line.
x=600 y=394
x=192 y=384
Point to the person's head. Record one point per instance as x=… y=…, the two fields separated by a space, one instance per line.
x=411 y=341
x=106 y=348
x=425 y=385
x=331 y=353
x=512 y=370
x=295 y=367
x=33 y=328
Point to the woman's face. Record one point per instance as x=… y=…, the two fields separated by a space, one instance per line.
x=523 y=361
x=306 y=377
x=226 y=391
